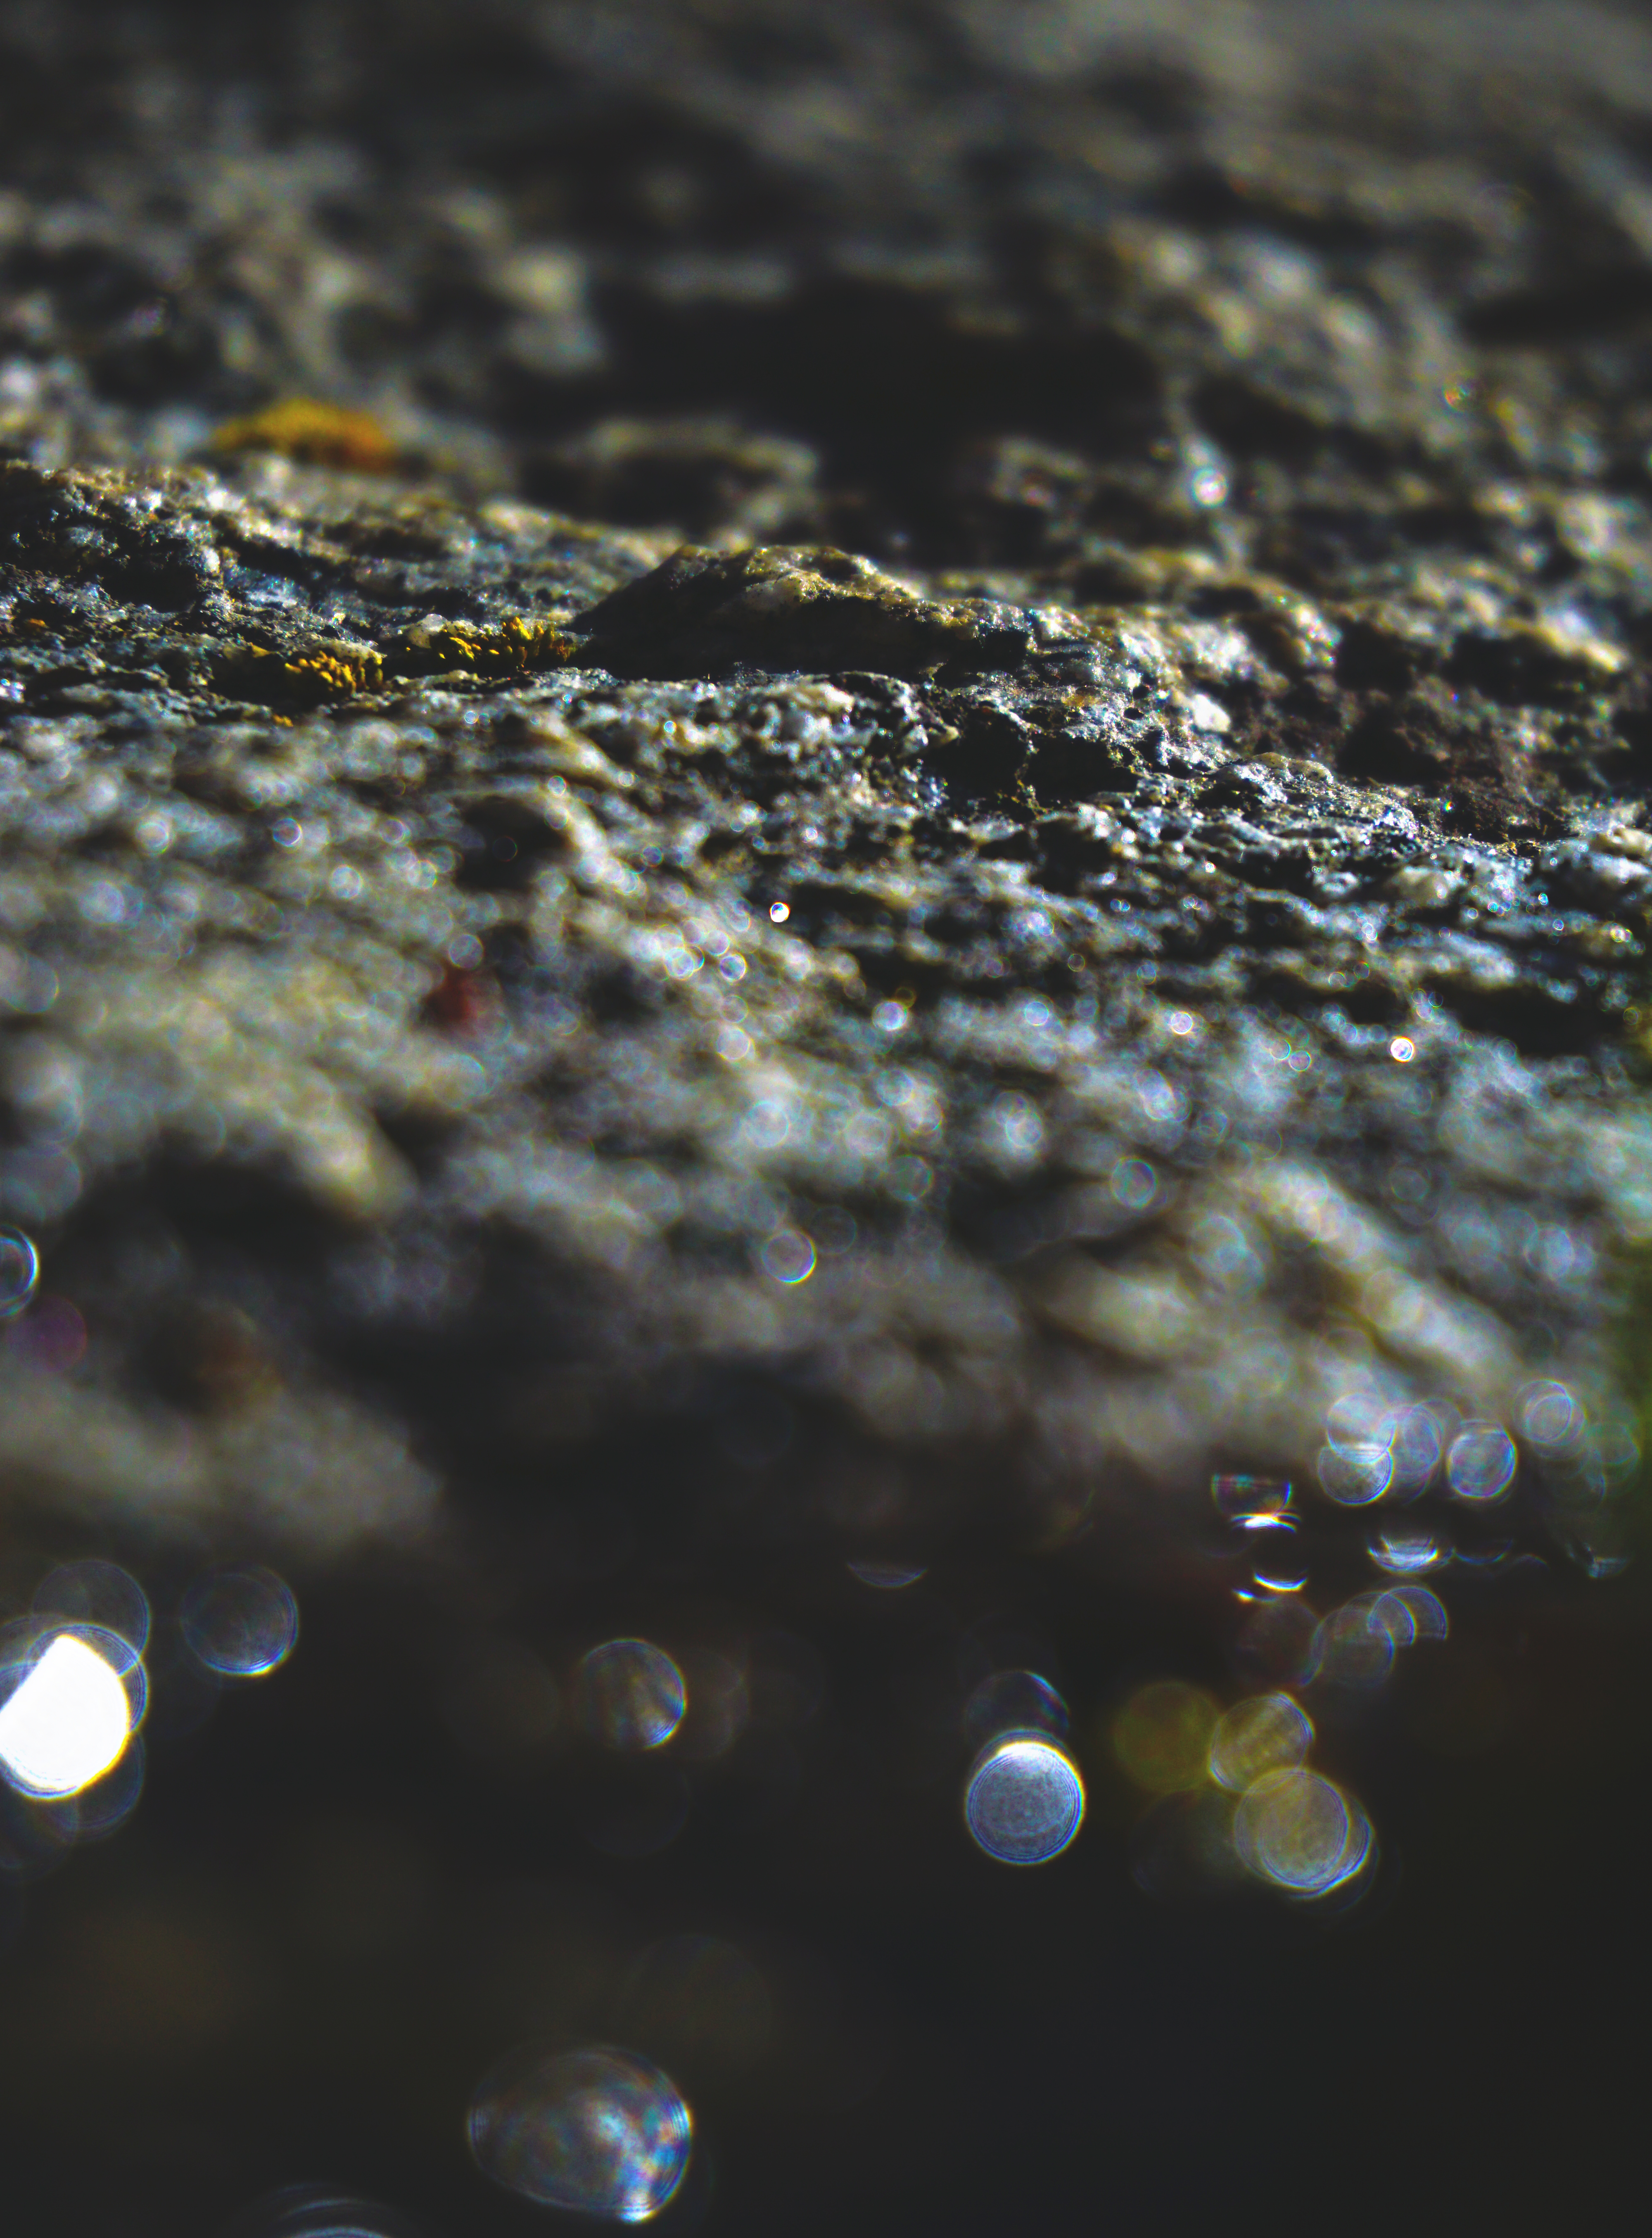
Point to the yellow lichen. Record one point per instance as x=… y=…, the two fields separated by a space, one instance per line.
x=308 y=679
x=516 y=646
x=319 y=434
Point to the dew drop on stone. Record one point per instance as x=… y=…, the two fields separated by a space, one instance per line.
x=1265 y=1733
x=599 y=2132
x=1024 y=1801
x=631 y=1695
x=1014 y=1701
x=19 y=1271
x=240 y=1623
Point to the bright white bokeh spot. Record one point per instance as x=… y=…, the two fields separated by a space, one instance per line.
x=67 y=1723
x=1025 y=1801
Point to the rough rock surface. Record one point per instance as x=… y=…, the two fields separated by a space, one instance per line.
x=780 y=787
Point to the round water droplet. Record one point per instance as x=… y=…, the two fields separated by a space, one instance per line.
x=71 y=1695
x=1024 y=1801
x=240 y=1623
x=19 y=1271
x=631 y=1695
x=1162 y=1736
x=1268 y=1732
x=101 y=1593
x=1480 y=1466
x=1300 y=1832
x=598 y=2132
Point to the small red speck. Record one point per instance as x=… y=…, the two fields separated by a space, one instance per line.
x=463 y=1002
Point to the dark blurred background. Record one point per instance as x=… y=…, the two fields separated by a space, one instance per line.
x=883 y=274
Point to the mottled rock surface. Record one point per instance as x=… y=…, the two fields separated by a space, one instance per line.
x=782 y=787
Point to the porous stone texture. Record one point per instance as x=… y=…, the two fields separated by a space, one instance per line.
x=589 y=948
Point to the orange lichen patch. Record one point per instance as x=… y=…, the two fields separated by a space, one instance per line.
x=320 y=434
x=516 y=646
x=309 y=679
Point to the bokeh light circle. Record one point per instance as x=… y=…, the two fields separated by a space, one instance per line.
x=72 y=1697
x=240 y=1623
x=1355 y=1474
x=1024 y=1801
x=631 y=1695
x=1266 y=1732
x=597 y=2132
x=1480 y=1466
x=19 y=1271
x=1298 y=1831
